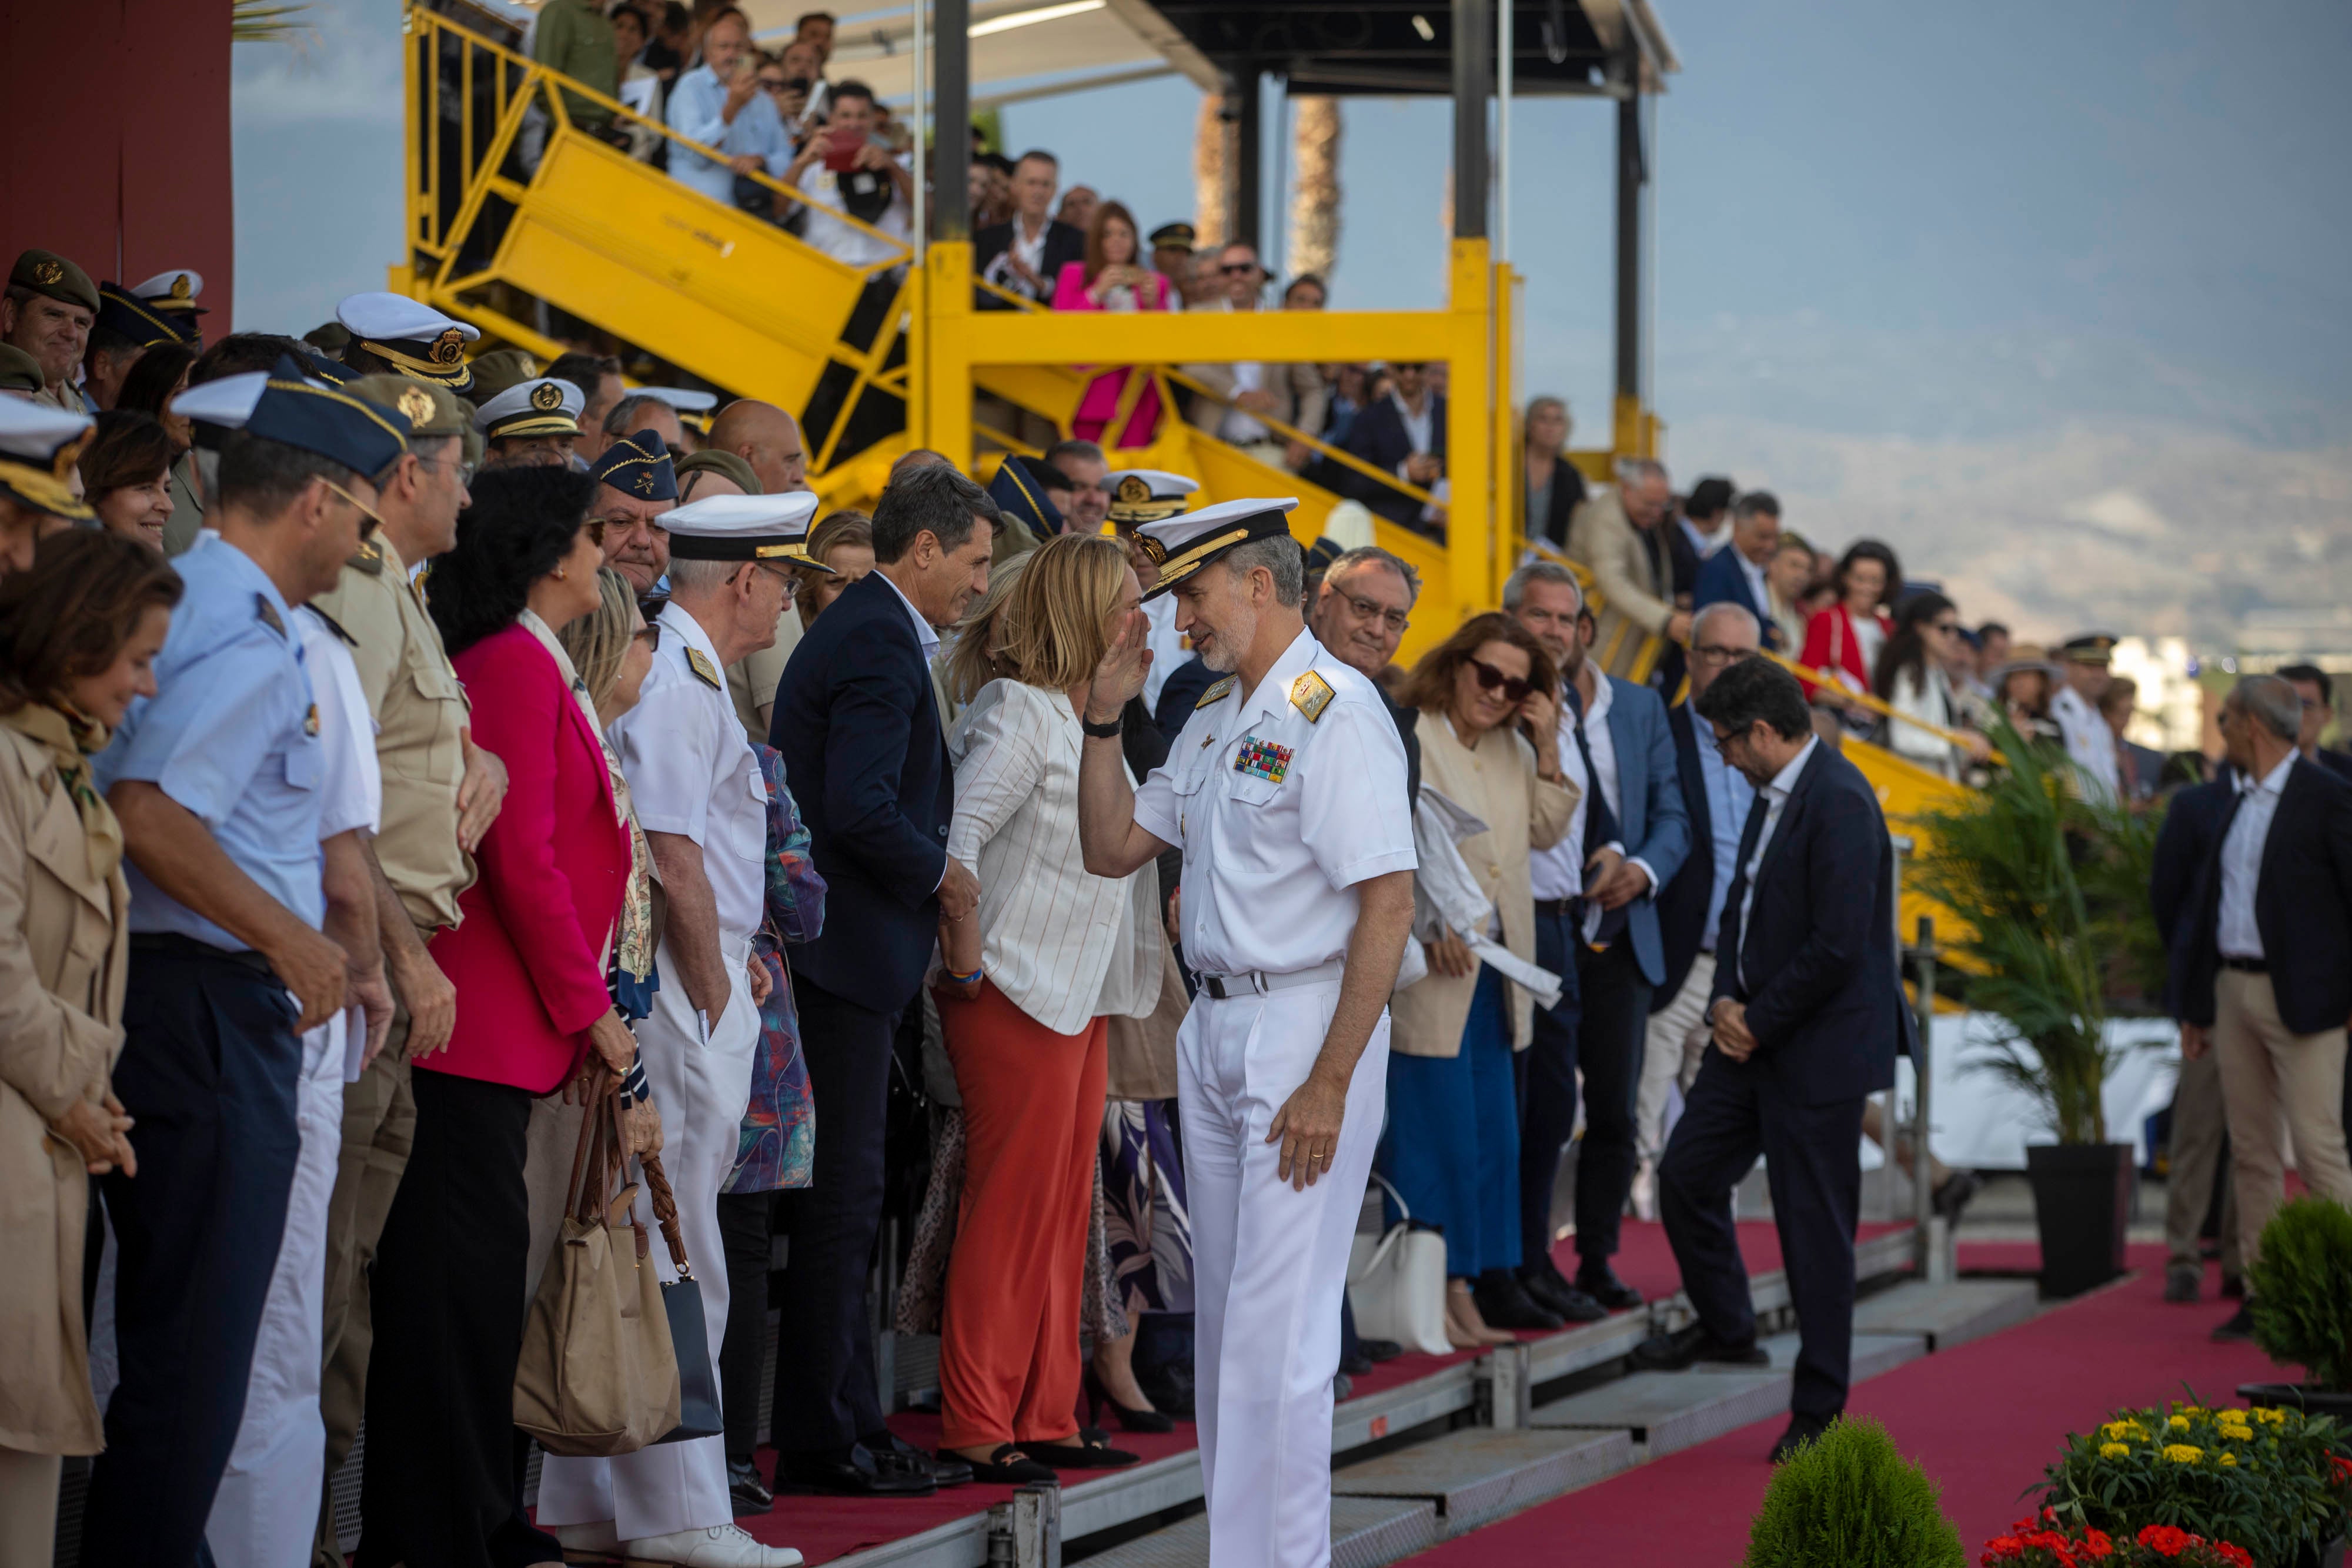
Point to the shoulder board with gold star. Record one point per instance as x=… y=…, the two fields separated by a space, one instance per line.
x=1215 y=691
x=268 y=613
x=367 y=558
x=332 y=624
x=1310 y=694
x=704 y=670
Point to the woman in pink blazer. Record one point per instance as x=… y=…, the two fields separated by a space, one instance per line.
x=1112 y=278
x=528 y=958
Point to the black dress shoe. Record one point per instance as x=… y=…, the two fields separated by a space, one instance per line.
x=743 y=1484
x=945 y=1470
x=1504 y=1303
x=1355 y=1366
x=857 y=1472
x=1603 y=1286
x=1008 y=1466
x=1092 y=1451
x=1379 y=1350
x=1802 y=1429
x=2239 y=1326
x=1098 y=1395
x=1554 y=1294
x=1691 y=1344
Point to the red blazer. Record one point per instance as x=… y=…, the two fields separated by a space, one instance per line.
x=1830 y=644
x=554 y=870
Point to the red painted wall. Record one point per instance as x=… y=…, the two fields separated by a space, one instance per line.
x=118 y=127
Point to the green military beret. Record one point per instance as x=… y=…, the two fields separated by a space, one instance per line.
x=499 y=369
x=432 y=410
x=714 y=461
x=19 y=372
x=47 y=272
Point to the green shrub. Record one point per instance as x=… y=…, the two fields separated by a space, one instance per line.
x=1850 y=1500
x=2300 y=1283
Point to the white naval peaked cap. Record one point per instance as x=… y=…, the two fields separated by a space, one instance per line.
x=39 y=446
x=35 y=430
x=178 y=287
x=744 y=527
x=679 y=398
x=1147 y=495
x=545 y=405
x=228 y=403
x=381 y=314
x=1183 y=545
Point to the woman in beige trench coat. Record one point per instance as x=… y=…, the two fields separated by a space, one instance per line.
x=78 y=633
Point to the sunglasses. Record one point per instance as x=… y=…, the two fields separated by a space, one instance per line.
x=650 y=635
x=1239 y=269
x=370 y=522
x=1513 y=689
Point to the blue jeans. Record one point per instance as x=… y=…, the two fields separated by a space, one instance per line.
x=1452 y=1147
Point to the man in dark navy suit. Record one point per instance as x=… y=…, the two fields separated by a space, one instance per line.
x=862 y=744
x=1402 y=434
x=1806 y=1016
x=1734 y=574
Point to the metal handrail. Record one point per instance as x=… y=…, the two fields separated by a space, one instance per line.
x=1874 y=704
x=1291 y=432
x=538 y=78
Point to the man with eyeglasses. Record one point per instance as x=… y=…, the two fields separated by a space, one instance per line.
x=702 y=803
x=441 y=793
x=1360 y=616
x=1242 y=397
x=636 y=488
x=1690 y=908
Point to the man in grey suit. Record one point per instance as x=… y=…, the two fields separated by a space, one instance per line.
x=1596 y=918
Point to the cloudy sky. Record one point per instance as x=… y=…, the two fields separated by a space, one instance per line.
x=1971 y=226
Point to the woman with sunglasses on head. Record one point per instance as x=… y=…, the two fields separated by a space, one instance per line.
x=1452 y=1147
x=1911 y=677
x=529 y=959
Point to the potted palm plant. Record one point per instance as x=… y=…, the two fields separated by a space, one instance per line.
x=2006 y=859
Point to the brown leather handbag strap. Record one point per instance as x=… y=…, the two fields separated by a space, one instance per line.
x=666 y=1212
x=594 y=1156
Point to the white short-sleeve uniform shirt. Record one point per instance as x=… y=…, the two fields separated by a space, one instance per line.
x=691 y=772
x=1281 y=803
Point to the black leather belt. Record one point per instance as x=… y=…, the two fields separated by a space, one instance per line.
x=2246 y=966
x=1571 y=907
x=179 y=946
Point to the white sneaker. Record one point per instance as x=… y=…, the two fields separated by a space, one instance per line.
x=719 y=1546
x=596 y=1543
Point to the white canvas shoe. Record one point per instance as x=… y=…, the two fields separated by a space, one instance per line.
x=588 y=1544
x=719 y=1546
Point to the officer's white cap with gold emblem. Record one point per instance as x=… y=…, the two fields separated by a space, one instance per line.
x=680 y=399
x=546 y=406
x=1182 y=546
x=410 y=336
x=1147 y=495
x=744 y=527
x=228 y=403
x=174 y=290
x=38 y=447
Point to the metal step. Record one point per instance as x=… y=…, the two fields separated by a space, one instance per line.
x=1366 y=1532
x=1871 y=1355
x=1667 y=1411
x=1948 y=1314
x=1480 y=1475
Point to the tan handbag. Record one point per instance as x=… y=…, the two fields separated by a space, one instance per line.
x=597 y=1375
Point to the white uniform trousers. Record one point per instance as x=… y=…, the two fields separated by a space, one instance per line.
x=702 y=1091
x=1675 y=1046
x=265 y=1514
x=1270 y=1266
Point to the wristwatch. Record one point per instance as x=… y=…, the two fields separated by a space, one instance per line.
x=1110 y=731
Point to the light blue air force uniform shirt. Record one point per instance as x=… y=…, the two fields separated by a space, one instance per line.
x=230 y=734
x=1729 y=798
x=697 y=111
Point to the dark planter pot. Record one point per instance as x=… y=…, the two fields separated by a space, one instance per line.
x=2309 y=1398
x=2082 y=1206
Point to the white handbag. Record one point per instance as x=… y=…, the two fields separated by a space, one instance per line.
x=1397 y=1284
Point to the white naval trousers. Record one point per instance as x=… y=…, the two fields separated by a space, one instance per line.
x=1270 y=1267
x=265 y=1514
x=1674 y=1047
x=702 y=1091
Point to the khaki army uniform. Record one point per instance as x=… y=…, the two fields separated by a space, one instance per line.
x=420 y=709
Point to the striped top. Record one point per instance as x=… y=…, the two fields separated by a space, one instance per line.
x=1051 y=933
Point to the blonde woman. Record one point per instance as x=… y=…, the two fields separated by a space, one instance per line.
x=1050 y=949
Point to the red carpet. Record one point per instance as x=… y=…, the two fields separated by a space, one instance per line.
x=824 y=1528
x=1984 y=1419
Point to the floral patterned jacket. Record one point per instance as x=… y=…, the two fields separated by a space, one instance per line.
x=778 y=1139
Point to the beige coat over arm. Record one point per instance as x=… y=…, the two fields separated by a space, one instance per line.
x=1497 y=783
x=63 y=953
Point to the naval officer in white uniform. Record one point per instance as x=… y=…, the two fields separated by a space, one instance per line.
x=1139 y=495
x=1287 y=793
x=703 y=809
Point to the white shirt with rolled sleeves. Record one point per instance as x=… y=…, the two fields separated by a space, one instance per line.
x=1283 y=803
x=692 y=773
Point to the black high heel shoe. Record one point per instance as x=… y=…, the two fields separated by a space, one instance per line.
x=1129 y=1420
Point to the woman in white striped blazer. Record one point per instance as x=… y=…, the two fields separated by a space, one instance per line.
x=1030 y=978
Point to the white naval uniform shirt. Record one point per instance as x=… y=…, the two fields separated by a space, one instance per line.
x=1278 y=814
x=2090 y=743
x=691 y=772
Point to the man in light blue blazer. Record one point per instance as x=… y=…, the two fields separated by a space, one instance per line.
x=1736 y=575
x=1597 y=920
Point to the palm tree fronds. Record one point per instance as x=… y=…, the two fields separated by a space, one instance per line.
x=268 y=21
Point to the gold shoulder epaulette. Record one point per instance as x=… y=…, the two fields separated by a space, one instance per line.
x=704 y=670
x=367 y=558
x=1216 y=690
x=1310 y=694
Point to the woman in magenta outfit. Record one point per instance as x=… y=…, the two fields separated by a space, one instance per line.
x=1112 y=278
x=527 y=959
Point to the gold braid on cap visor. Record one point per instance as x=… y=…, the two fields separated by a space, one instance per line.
x=48 y=489
x=456 y=376
x=1177 y=568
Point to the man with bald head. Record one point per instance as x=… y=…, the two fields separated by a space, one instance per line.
x=634 y=487
x=767 y=438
